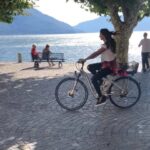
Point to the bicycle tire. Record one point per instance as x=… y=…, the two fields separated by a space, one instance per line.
x=124 y=100
x=68 y=102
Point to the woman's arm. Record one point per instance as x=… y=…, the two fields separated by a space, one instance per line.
x=95 y=54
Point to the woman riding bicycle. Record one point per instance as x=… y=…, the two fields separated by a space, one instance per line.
x=107 y=64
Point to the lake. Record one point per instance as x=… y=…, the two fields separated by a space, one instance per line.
x=74 y=46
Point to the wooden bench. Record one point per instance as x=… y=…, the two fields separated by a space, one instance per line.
x=54 y=57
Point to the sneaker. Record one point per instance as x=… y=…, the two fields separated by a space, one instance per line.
x=101 y=101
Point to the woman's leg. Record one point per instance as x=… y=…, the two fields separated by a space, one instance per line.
x=97 y=79
x=94 y=68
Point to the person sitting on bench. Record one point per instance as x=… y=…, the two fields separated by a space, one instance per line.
x=34 y=53
x=46 y=55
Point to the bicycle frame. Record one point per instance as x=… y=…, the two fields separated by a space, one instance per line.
x=84 y=74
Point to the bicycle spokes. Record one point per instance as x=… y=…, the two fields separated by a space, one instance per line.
x=126 y=93
x=71 y=94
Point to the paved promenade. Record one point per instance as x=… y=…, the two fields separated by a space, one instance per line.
x=30 y=119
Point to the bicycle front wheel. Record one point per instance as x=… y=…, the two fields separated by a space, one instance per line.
x=71 y=94
x=124 y=92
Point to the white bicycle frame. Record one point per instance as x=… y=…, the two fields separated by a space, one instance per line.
x=93 y=91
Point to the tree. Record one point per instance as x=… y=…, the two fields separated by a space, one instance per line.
x=11 y=8
x=124 y=15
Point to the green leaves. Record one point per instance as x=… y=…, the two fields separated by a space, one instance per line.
x=11 y=8
x=127 y=7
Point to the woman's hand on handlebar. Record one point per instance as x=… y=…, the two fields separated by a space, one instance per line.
x=81 y=60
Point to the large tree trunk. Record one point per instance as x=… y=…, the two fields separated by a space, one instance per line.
x=124 y=29
x=124 y=25
x=122 y=41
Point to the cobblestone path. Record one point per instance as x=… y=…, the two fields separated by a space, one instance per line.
x=30 y=119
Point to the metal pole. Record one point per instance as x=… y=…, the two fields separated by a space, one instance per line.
x=19 y=58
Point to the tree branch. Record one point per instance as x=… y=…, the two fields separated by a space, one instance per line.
x=114 y=13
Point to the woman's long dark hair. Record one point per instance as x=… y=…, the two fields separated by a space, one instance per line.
x=110 y=42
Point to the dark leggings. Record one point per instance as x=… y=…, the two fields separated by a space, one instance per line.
x=98 y=74
x=145 y=62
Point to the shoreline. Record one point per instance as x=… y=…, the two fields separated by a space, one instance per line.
x=26 y=70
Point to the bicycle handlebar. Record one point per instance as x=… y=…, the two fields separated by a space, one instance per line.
x=80 y=61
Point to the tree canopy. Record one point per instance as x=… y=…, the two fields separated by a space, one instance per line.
x=11 y=8
x=124 y=15
x=108 y=7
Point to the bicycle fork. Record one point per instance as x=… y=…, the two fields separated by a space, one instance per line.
x=72 y=91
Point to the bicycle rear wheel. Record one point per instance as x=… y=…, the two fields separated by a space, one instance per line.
x=125 y=92
x=68 y=98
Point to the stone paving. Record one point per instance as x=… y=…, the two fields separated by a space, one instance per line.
x=30 y=119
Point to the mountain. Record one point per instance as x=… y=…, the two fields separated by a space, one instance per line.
x=39 y=23
x=143 y=25
x=95 y=25
x=35 y=23
x=103 y=22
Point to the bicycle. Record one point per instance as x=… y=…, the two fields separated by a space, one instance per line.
x=72 y=93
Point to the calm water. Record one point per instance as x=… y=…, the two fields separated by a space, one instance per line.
x=74 y=46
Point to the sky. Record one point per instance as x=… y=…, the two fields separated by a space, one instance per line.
x=69 y=12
